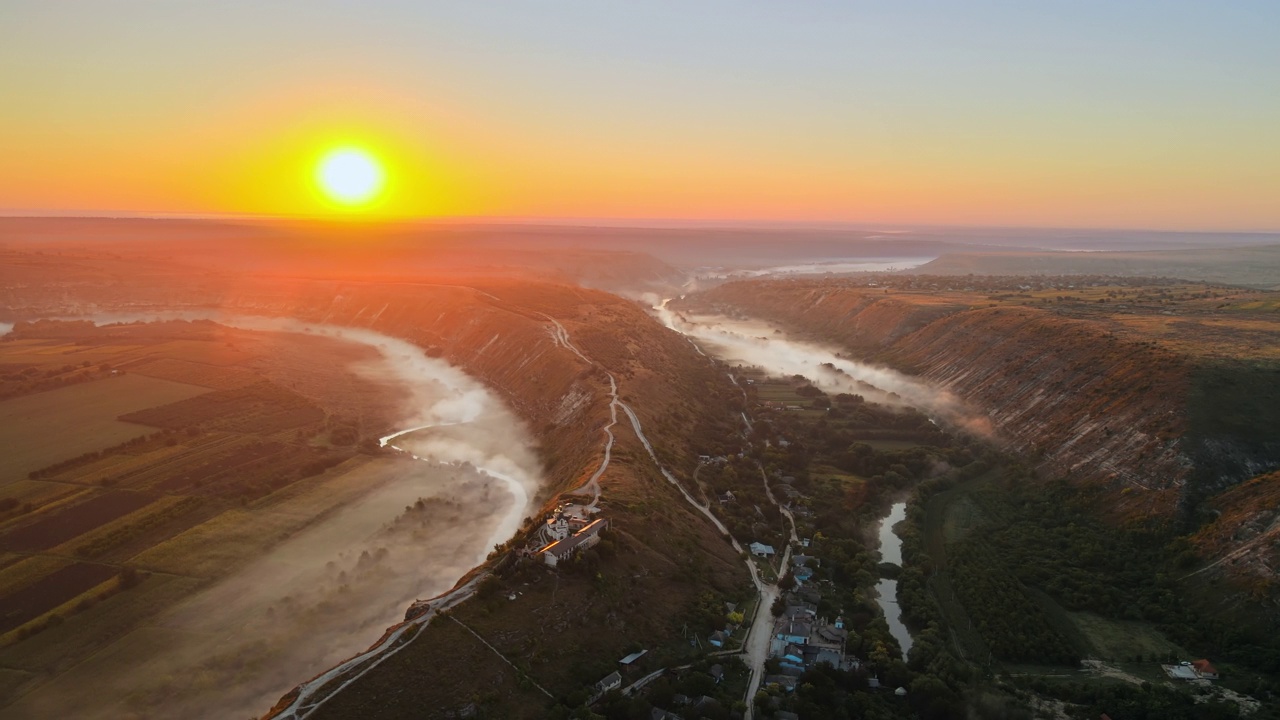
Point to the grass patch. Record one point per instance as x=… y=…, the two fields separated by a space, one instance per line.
x=1122 y=640
x=47 y=427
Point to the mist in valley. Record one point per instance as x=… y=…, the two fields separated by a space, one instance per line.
x=754 y=343
x=461 y=485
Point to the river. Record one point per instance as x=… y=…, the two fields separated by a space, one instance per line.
x=887 y=589
x=345 y=554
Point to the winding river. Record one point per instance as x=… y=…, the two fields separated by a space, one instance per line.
x=887 y=589
x=349 y=554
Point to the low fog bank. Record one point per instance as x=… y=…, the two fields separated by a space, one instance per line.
x=462 y=486
x=5 y=328
x=817 y=267
x=756 y=343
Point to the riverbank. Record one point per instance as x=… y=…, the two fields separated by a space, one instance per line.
x=890 y=547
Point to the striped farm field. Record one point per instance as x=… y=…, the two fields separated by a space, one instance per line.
x=43 y=428
x=27 y=571
x=50 y=591
x=215 y=377
x=52 y=529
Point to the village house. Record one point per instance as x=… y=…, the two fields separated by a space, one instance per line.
x=1205 y=670
x=1198 y=670
x=792 y=631
x=761 y=550
x=612 y=681
x=799 y=610
x=786 y=682
x=562 y=550
x=792 y=657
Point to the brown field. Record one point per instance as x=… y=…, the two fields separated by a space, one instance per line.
x=260 y=408
x=38 y=494
x=53 y=529
x=43 y=352
x=44 y=428
x=28 y=570
x=114 y=469
x=223 y=542
x=81 y=634
x=49 y=592
x=121 y=530
x=216 y=377
x=203 y=350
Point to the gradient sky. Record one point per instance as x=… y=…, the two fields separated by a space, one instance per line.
x=1076 y=114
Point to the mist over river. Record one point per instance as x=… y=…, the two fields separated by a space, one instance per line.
x=755 y=343
x=355 y=549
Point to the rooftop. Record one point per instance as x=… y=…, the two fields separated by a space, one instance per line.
x=569 y=544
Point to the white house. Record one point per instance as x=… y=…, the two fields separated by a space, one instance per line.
x=760 y=549
x=612 y=681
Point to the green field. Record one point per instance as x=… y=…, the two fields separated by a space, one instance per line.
x=44 y=428
x=1121 y=639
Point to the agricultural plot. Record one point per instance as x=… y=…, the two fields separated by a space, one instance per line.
x=214 y=547
x=29 y=494
x=44 y=428
x=204 y=351
x=113 y=469
x=44 y=352
x=123 y=494
x=51 y=529
x=28 y=570
x=51 y=591
x=216 y=377
x=260 y=408
x=73 y=640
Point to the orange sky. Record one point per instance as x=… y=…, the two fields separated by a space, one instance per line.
x=776 y=114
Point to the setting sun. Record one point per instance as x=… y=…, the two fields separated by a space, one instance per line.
x=350 y=177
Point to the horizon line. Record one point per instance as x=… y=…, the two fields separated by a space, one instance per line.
x=608 y=222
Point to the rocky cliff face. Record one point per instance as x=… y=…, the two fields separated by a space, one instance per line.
x=1080 y=399
x=1082 y=403
x=1245 y=536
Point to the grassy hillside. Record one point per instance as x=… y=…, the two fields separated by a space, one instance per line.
x=1251 y=266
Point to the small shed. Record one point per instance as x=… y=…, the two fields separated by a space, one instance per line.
x=630 y=659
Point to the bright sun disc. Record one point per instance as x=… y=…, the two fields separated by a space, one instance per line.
x=349 y=176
